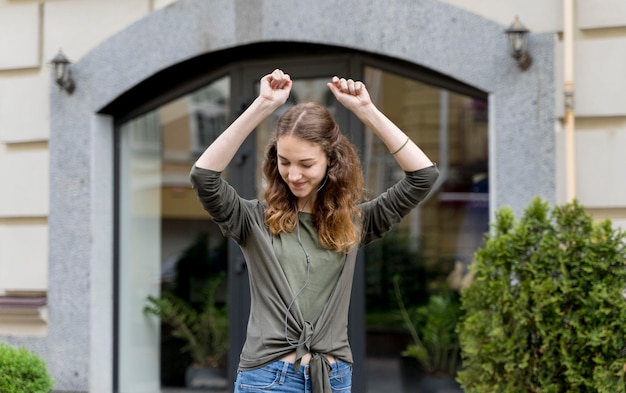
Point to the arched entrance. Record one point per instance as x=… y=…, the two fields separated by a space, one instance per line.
x=168 y=245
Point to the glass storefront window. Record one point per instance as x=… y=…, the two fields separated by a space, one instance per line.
x=428 y=253
x=168 y=244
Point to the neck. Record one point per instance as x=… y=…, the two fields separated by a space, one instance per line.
x=305 y=206
x=304 y=209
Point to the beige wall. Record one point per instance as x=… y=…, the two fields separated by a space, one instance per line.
x=23 y=155
x=36 y=30
x=39 y=28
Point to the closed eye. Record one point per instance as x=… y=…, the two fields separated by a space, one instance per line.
x=304 y=165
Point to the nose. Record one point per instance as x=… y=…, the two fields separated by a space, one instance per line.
x=294 y=174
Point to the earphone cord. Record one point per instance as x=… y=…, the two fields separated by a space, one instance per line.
x=291 y=342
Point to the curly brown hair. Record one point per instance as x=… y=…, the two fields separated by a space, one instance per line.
x=335 y=214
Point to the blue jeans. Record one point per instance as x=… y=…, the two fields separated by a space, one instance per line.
x=281 y=377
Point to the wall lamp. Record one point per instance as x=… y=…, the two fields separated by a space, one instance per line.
x=518 y=38
x=62 y=73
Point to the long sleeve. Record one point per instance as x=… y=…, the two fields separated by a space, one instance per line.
x=381 y=213
x=233 y=214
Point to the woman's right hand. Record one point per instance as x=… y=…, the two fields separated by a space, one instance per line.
x=275 y=87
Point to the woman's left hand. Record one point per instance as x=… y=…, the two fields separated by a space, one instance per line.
x=351 y=94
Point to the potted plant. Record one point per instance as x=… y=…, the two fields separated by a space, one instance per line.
x=546 y=311
x=396 y=259
x=204 y=331
x=21 y=371
x=435 y=344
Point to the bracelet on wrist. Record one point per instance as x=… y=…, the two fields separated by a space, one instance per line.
x=401 y=147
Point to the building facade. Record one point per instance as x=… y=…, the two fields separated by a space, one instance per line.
x=96 y=203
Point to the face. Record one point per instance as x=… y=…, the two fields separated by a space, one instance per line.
x=302 y=165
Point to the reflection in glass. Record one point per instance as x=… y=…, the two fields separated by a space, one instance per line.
x=168 y=244
x=139 y=224
x=428 y=253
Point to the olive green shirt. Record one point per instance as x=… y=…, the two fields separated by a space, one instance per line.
x=273 y=314
x=311 y=282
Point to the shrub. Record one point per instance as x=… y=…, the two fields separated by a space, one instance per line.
x=22 y=371
x=546 y=311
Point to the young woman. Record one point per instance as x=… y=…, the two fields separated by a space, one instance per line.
x=300 y=243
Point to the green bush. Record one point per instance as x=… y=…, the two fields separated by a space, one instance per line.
x=546 y=311
x=22 y=371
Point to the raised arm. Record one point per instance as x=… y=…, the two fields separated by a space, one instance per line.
x=275 y=89
x=355 y=97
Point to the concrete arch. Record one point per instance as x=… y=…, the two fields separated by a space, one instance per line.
x=435 y=35
x=429 y=33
